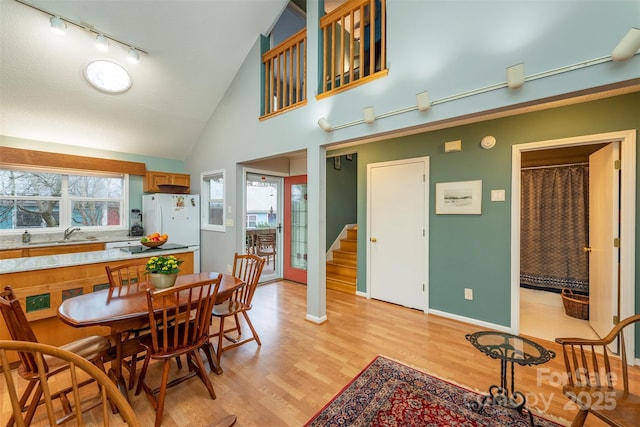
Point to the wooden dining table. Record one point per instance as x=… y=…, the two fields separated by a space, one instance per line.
x=125 y=309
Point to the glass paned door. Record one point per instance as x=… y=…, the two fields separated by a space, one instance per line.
x=295 y=223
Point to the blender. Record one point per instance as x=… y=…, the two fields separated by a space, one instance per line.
x=136 y=223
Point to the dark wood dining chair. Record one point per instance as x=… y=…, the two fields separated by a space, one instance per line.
x=92 y=348
x=190 y=306
x=76 y=367
x=597 y=381
x=130 y=275
x=248 y=268
x=266 y=246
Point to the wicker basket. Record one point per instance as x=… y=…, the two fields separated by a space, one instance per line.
x=575 y=305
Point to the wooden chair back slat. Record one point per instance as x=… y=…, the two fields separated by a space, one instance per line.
x=131 y=274
x=18 y=326
x=78 y=369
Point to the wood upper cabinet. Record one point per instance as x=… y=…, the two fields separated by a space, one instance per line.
x=153 y=178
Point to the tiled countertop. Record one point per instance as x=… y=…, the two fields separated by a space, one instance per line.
x=15 y=265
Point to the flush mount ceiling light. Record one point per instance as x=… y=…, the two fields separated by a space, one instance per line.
x=628 y=46
x=488 y=142
x=515 y=76
x=107 y=76
x=102 y=43
x=57 y=25
x=324 y=124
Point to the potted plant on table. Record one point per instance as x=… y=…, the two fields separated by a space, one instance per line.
x=163 y=270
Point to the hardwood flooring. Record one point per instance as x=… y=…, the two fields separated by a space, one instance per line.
x=301 y=366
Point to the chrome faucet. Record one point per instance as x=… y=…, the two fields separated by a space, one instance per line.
x=69 y=231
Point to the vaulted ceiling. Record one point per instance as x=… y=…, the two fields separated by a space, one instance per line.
x=195 y=48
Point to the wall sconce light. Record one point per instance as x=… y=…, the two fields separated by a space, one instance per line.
x=423 y=101
x=515 y=76
x=488 y=142
x=102 y=43
x=324 y=124
x=57 y=25
x=628 y=46
x=369 y=115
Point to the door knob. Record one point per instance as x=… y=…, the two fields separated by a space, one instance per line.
x=587 y=249
x=373 y=240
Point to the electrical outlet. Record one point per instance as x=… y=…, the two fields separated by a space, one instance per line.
x=468 y=293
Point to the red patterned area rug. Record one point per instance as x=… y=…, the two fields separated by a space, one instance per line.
x=388 y=393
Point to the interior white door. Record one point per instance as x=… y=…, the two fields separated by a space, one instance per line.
x=397 y=254
x=604 y=197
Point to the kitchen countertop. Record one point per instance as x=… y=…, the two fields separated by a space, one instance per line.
x=16 y=265
x=17 y=244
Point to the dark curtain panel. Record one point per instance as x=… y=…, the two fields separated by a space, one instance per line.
x=555 y=229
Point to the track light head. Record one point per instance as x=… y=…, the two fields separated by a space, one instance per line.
x=369 y=115
x=423 y=101
x=628 y=46
x=134 y=56
x=324 y=124
x=515 y=76
x=102 y=43
x=58 y=26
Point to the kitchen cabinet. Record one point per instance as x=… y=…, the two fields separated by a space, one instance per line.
x=153 y=178
x=51 y=250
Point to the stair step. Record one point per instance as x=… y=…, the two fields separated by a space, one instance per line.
x=345 y=258
x=352 y=233
x=341 y=271
x=341 y=285
x=348 y=245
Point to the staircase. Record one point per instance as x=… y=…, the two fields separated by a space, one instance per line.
x=341 y=270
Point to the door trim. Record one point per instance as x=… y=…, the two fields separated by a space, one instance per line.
x=370 y=166
x=627 y=141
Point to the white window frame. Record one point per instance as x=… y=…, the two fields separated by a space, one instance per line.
x=205 y=178
x=66 y=201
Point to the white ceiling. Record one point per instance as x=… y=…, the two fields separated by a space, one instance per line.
x=195 y=48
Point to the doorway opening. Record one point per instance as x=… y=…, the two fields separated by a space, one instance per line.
x=263 y=222
x=624 y=268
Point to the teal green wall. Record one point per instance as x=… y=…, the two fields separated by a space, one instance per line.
x=342 y=191
x=474 y=250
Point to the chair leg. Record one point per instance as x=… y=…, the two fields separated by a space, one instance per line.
x=202 y=373
x=580 y=418
x=253 y=330
x=33 y=405
x=220 y=337
x=143 y=373
x=163 y=392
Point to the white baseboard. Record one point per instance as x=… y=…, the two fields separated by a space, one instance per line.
x=471 y=321
x=317 y=320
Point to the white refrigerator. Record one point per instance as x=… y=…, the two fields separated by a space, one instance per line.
x=178 y=216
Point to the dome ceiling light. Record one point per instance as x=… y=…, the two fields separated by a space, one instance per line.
x=107 y=76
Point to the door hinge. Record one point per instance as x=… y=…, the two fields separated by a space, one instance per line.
x=423 y=233
x=424 y=178
x=423 y=287
x=616 y=320
x=616 y=242
x=616 y=165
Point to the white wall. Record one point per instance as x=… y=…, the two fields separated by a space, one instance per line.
x=443 y=46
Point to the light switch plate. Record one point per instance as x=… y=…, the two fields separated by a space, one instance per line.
x=451 y=146
x=229 y=222
x=497 y=195
x=468 y=293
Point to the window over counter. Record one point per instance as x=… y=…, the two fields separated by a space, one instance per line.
x=33 y=198
x=213 y=200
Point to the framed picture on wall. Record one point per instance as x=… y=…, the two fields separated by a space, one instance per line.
x=461 y=197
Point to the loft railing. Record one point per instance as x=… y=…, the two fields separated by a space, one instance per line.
x=352 y=51
x=285 y=75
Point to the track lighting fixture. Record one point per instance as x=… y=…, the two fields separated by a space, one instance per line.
x=133 y=56
x=423 y=101
x=102 y=43
x=369 y=115
x=324 y=124
x=628 y=46
x=515 y=76
x=57 y=25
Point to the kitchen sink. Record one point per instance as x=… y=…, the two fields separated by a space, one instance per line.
x=74 y=241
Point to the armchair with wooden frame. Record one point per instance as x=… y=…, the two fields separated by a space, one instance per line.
x=75 y=368
x=597 y=381
x=247 y=267
x=37 y=372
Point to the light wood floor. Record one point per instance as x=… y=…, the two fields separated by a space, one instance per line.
x=301 y=366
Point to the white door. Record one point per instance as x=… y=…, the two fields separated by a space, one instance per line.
x=603 y=228
x=397 y=232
